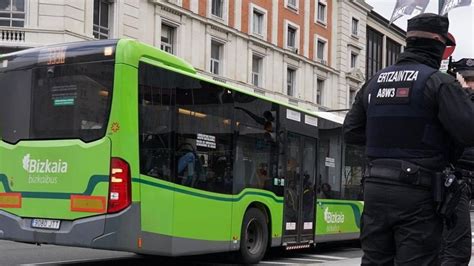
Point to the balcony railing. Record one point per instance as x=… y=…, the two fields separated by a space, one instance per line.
x=12 y=36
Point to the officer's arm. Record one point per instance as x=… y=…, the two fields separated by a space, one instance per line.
x=354 y=123
x=456 y=112
x=466 y=161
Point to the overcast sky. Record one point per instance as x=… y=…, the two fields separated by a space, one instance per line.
x=461 y=23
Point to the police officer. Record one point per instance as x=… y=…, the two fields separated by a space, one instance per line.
x=457 y=241
x=405 y=115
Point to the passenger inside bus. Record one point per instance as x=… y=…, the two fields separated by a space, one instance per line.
x=189 y=166
x=262 y=175
x=292 y=177
x=326 y=192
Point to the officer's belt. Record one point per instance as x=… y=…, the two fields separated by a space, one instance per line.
x=399 y=171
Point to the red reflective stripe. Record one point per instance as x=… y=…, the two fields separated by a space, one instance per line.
x=10 y=195
x=76 y=198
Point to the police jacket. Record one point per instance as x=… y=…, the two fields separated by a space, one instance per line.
x=411 y=111
x=466 y=161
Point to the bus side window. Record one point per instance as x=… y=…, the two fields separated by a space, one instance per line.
x=329 y=160
x=254 y=149
x=204 y=136
x=154 y=122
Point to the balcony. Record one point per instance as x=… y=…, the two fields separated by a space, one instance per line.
x=12 y=36
x=33 y=37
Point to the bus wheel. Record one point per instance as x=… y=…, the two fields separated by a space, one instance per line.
x=254 y=237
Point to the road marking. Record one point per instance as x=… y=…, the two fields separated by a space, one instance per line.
x=325 y=257
x=310 y=260
x=69 y=261
x=275 y=262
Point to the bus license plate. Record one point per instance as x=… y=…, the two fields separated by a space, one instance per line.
x=45 y=223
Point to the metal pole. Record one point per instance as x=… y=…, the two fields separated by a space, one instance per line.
x=440 y=5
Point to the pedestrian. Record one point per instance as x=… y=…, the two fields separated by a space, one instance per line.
x=405 y=115
x=457 y=241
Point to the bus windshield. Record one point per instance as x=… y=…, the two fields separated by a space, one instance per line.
x=55 y=99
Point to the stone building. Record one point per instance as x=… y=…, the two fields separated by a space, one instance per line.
x=310 y=53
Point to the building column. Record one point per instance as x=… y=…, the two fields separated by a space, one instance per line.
x=306 y=39
x=274 y=22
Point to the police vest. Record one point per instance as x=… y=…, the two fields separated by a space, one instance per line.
x=398 y=123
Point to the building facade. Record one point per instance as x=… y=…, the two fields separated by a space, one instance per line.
x=309 y=53
x=350 y=52
x=384 y=44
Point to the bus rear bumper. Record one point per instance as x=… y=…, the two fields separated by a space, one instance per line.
x=93 y=232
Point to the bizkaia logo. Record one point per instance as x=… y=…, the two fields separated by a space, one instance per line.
x=333 y=217
x=37 y=166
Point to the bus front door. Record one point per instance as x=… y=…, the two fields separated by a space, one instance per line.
x=299 y=203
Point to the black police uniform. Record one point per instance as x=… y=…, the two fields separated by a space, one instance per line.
x=405 y=116
x=457 y=241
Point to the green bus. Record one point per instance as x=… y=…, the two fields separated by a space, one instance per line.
x=117 y=145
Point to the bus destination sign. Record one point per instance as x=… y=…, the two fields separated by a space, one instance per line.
x=53 y=55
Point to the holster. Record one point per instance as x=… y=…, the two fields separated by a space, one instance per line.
x=452 y=187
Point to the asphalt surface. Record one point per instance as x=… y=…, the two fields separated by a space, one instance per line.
x=12 y=253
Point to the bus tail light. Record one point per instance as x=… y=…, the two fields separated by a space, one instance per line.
x=120 y=193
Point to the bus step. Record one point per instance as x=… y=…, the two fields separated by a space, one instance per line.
x=297 y=246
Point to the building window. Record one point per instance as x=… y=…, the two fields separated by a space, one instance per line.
x=217 y=8
x=216 y=57
x=393 y=51
x=352 y=95
x=374 y=52
x=319 y=91
x=167 y=38
x=321 y=50
x=290 y=81
x=321 y=17
x=353 y=60
x=257 y=21
x=257 y=27
x=293 y=4
x=291 y=37
x=101 y=28
x=257 y=63
x=12 y=13
x=355 y=27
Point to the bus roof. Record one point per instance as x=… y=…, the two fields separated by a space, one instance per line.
x=331 y=117
x=129 y=50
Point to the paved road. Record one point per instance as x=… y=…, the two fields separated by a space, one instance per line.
x=12 y=253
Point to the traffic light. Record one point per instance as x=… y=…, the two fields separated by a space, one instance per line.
x=270 y=125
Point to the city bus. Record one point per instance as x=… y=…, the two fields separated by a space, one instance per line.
x=117 y=145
